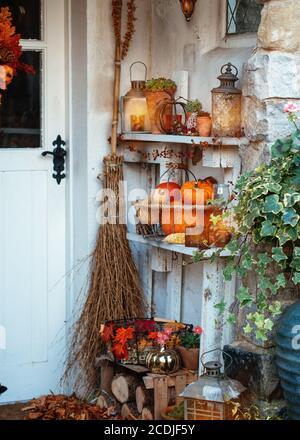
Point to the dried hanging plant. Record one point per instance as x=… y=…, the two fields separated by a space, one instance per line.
x=130 y=28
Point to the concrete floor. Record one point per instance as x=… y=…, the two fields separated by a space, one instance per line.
x=12 y=412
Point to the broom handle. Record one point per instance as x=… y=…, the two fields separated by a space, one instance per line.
x=115 y=122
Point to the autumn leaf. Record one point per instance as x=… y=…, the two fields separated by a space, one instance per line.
x=108 y=333
x=124 y=335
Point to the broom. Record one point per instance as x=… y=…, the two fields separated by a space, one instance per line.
x=114 y=291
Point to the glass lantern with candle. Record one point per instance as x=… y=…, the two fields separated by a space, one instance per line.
x=135 y=117
x=227 y=104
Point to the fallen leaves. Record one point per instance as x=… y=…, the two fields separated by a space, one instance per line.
x=63 y=408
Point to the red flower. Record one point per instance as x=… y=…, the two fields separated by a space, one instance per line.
x=198 y=330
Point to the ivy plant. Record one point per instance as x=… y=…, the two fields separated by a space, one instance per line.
x=267 y=236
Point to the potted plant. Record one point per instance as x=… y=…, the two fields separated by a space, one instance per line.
x=190 y=348
x=157 y=92
x=204 y=124
x=174 y=412
x=265 y=249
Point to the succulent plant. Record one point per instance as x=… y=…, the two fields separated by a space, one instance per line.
x=160 y=85
x=194 y=106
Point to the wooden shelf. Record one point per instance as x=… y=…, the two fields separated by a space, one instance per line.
x=172 y=139
x=178 y=248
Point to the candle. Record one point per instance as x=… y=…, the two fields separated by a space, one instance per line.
x=137 y=122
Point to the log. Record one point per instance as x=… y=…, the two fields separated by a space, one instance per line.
x=148 y=413
x=143 y=398
x=129 y=412
x=107 y=374
x=106 y=401
x=123 y=388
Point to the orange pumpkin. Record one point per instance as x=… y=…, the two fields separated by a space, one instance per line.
x=175 y=219
x=198 y=192
x=166 y=192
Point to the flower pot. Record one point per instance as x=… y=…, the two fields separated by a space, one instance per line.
x=288 y=358
x=155 y=101
x=163 y=361
x=190 y=358
x=204 y=124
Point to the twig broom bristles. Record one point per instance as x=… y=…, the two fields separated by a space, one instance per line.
x=114 y=291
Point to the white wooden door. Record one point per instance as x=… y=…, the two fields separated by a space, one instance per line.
x=32 y=209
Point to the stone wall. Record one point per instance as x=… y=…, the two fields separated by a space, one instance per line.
x=272 y=78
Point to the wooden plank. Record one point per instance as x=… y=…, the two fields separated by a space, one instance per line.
x=174 y=288
x=173 y=139
x=211 y=321
x=139 y=369
x=178 y=248
x=149 y=379
x=180 y=384
x=160 y=396
x=161 y=260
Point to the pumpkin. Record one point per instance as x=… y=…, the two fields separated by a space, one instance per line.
x=166 y=192
x=198 y=192
x=175 y=219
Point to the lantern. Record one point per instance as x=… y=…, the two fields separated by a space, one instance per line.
x=209 y=398
x=227 y=104
x=188 y=7
x=135 y=117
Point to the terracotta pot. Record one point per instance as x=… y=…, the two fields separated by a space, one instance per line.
x=155 y=101
x=204 y=124
x=190 y=358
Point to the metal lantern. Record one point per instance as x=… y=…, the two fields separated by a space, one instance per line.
x=227 y=104
x=173 y=116
x=188 y=7
x=209 y=397
x=135 y=117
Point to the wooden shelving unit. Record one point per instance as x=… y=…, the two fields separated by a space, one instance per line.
x=163 y=263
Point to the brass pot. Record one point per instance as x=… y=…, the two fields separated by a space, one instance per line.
x=163 y=361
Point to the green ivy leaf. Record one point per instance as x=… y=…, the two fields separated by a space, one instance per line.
x=297 y=251
x=198 y=256
x=260 y=191
x=296 y=278
x=244 y=297
x=278 y=255
x=281 y=281
x=273 y=187
x=228 y=272
x=221 y=307
x=267 y=229
x=290 y=217
x=296 y=179
x=261 y=335
x=296 y=264
x=269 y=324
x=233 y=247
x=231 y=320
x=291 y=199
x=276 y=308
x=248 y=329
x=281 y=147
x=273 y=205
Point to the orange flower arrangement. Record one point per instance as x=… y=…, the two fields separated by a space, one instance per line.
x=10 y=50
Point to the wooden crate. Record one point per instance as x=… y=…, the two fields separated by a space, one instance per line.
x=160 y=384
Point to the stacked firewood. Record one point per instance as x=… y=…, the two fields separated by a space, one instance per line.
x=130 y=398
x=63 y=408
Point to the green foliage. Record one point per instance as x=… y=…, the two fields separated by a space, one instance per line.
x=190 y=340
x=160 y=85
x=194 y=106
x=267 y=241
